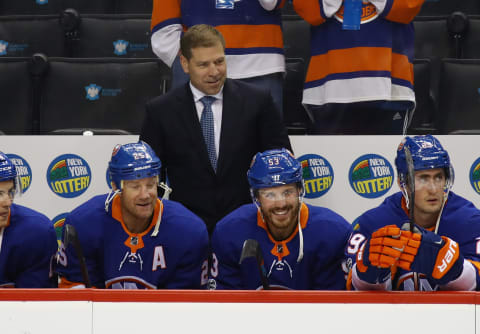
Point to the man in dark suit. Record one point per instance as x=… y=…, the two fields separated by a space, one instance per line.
x=207 y=131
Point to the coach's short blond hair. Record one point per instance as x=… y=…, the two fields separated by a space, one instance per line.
x=200 y=35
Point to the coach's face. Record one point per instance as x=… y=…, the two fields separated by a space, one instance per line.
x=7 y=190
x=207 y=68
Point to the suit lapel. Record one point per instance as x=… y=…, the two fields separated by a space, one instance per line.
x=231 y=112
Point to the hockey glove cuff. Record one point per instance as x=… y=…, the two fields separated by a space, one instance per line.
x=436 y=256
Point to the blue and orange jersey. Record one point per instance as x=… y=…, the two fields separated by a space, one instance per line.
x=27 y=248
x=119 y=259
x=324 y=234
x=253 y=35
x=372 y=63
x=460 y=222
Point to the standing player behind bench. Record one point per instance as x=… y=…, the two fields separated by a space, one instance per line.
x=130 y=238
x=303 y=246
x=443 y=250
x=28 y=242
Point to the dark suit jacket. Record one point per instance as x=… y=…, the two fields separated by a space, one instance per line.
x=250 y=124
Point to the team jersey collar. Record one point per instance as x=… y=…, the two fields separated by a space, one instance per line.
x=280 y=248
x=135 y=240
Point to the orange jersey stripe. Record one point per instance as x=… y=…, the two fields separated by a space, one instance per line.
x=165 y=10
x=309 y=10
x=402 y=68
x=66 y=284
x=360 y=59
x=252 y=36
x=404 y=11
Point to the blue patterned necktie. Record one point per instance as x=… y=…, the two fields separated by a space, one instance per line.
x=206 y=122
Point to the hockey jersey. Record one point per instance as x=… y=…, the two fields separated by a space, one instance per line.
x=253 y=35
x=325 y=234
x=370 y=64
x=117 y=259
x=460 y=222
x=28 y=245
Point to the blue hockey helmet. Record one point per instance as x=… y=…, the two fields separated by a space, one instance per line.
x=8 y=171
x=427 y=153
x=274 y=168
x=133 y=161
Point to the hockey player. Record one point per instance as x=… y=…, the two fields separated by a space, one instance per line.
x=302 y=245
x=130 y=238
x=441 y=253
x=28 y=242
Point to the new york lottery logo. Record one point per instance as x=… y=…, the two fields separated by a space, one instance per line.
x=475 y=176
x=58 y=223
x=24 y=171
x=317 y=175
x=371 y=176
x=69 y=175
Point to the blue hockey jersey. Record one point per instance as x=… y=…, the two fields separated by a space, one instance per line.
x=460 y=222
x=28 y=245
x=325 y=234
x=174 y=259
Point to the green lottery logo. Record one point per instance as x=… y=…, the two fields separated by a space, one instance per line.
x=69 y=175
x=371 y=176
x=317 y=175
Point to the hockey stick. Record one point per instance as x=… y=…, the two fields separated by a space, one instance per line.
x=71 y=237
x=411 y=198
x=445 y=196
x=251 y=248
x=411 y=203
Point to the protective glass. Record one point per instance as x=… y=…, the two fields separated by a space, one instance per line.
x=276 y=195
x=437 y=181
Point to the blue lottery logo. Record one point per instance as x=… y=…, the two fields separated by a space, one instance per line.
x=24 y=171
x=475 y=176
x=69 y=175
x=93 y=92
x=371 y=176
x=120 y=47
x=3 y=48
x=317 y=175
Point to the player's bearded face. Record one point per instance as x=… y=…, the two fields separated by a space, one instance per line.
x=138 y=200
x=6 y=198
x=280 y=207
